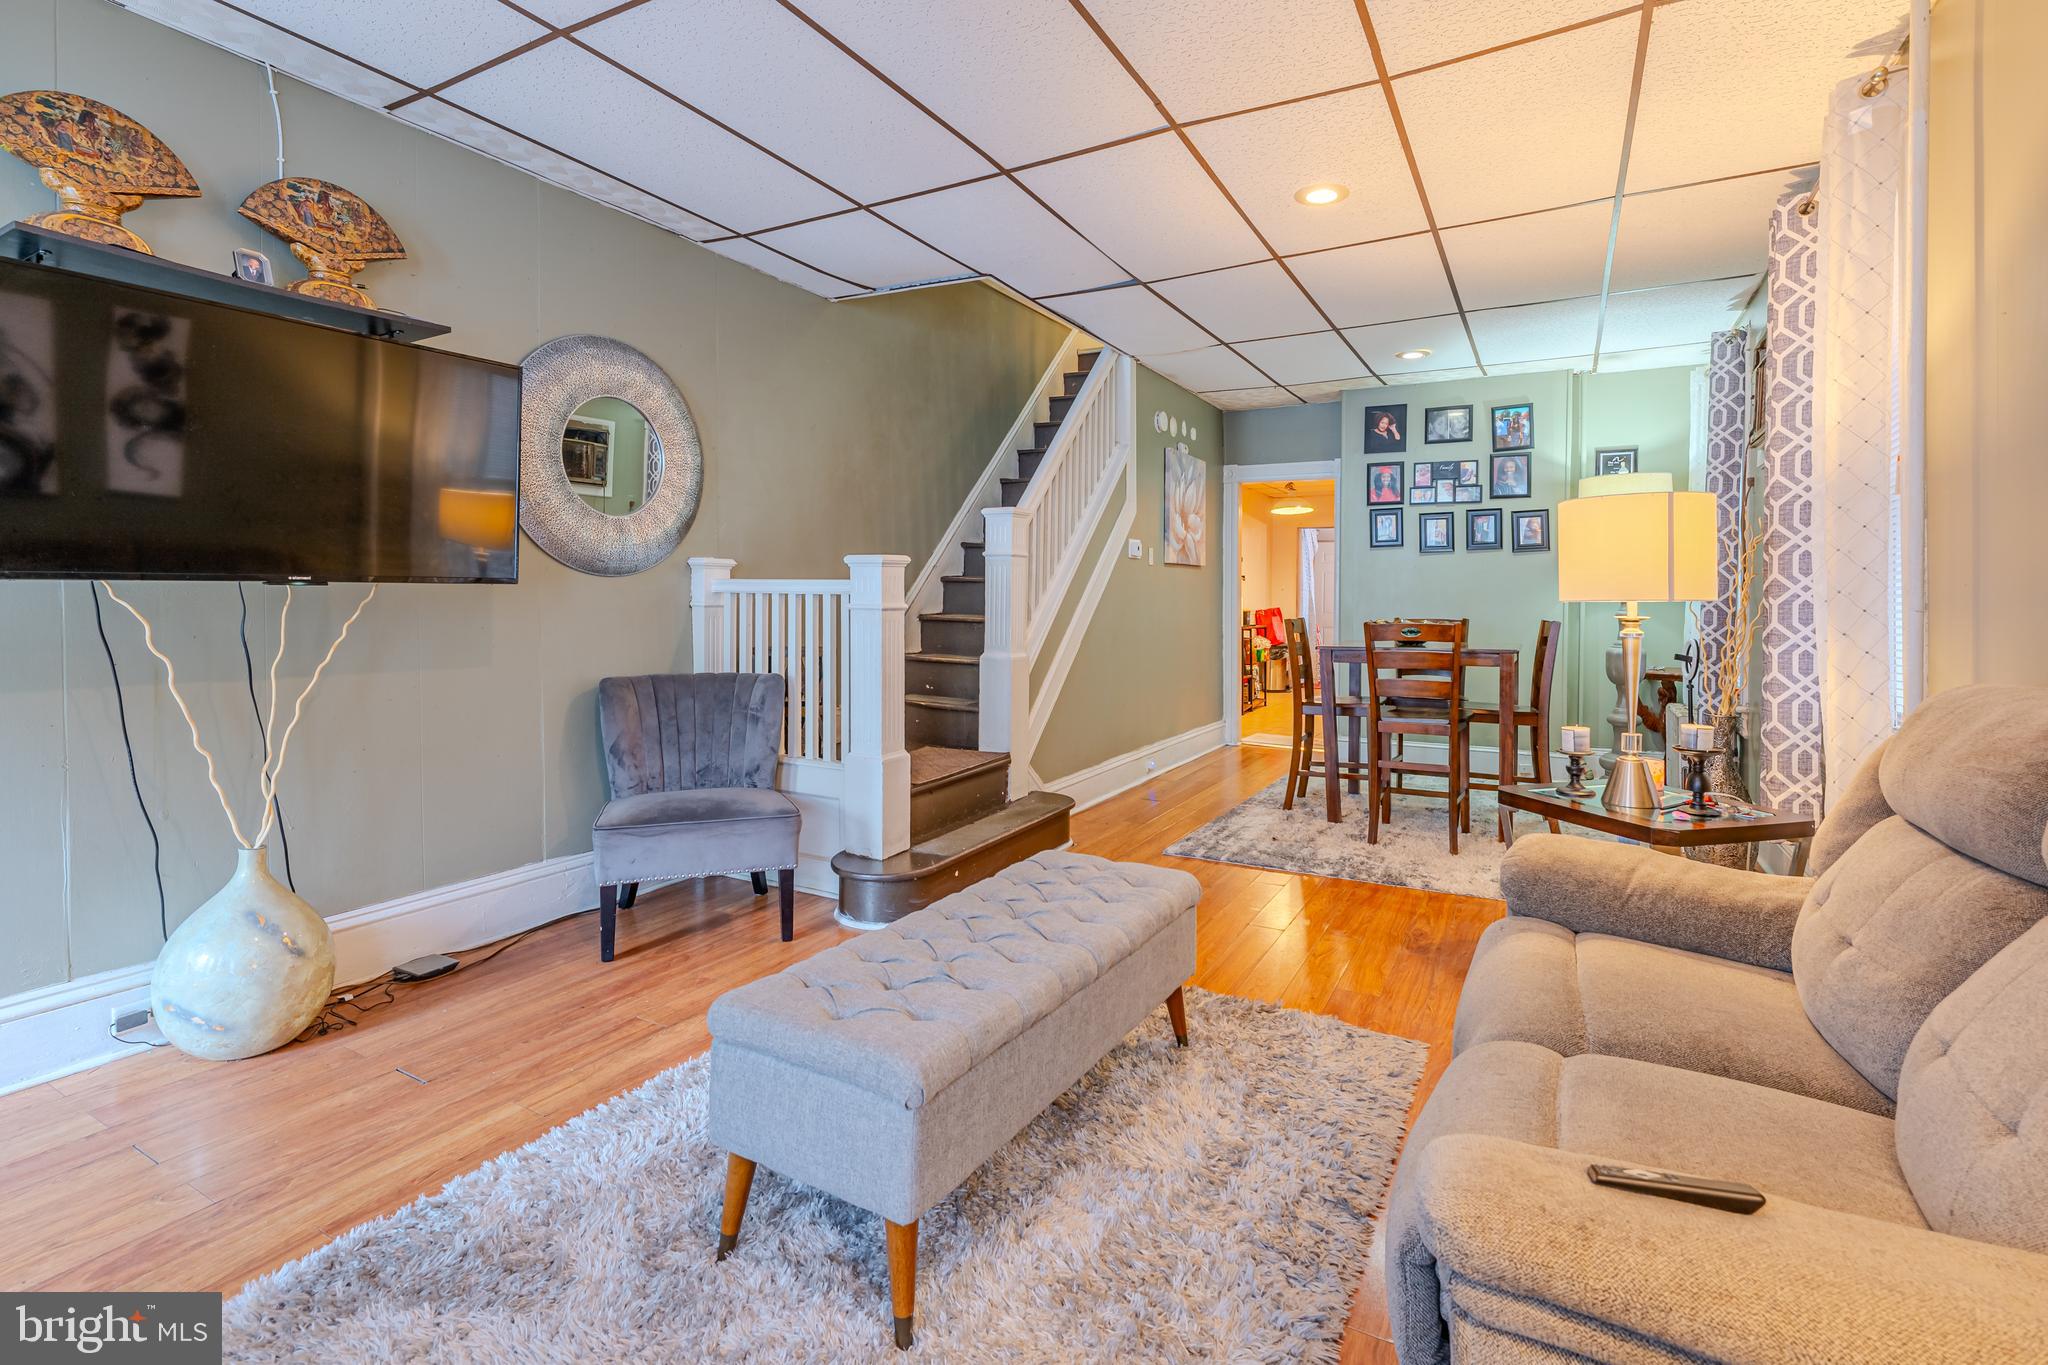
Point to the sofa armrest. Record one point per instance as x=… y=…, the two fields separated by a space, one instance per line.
x=1593 y=887
x=1526 y=1247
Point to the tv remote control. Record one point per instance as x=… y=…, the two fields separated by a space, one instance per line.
x=1729 y=1195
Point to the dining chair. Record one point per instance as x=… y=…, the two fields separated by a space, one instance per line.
x=1311 y=692
x=1404 y=699
x=1535 y=717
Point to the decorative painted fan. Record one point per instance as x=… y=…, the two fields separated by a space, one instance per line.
x=332 y=231
x=100 y=163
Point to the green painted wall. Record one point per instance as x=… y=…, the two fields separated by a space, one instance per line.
x=455 y=733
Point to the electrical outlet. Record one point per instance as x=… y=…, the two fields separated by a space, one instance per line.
x=1136 y=549
x=128 y=1017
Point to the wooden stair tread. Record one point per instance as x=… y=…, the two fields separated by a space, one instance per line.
x=962 y=841
x=961 y=578
x=936 y=657
x=942 y=703
x=935 y=765
x=951 y=616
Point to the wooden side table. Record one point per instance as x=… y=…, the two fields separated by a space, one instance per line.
x=1661 y=830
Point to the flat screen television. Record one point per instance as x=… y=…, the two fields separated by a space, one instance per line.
x=148 y=435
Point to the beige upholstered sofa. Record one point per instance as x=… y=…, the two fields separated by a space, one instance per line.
x=1869 y=1047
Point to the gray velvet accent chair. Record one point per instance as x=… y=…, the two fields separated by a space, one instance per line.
x=691 y=758
x=1868 y=1046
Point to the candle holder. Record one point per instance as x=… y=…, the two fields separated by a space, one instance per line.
x=1696 y=806
x=1575 y=773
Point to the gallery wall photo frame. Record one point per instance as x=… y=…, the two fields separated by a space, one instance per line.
x=1433 y=533
x=1514 y=426
x=1422 y=495
x=1385 y=527
x=1511 y=474
x=1386 y=429
x=1615 y=459
x=1482 y=528
x=1383 y=487
x=1447 y=426
x=1531 y=531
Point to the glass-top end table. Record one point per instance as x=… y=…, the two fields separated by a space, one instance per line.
x=1663 y=830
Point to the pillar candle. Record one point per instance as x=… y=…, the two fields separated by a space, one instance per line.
x=1578 y=739
x=1695 y=736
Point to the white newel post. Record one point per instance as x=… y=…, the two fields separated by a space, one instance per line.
x=708 y=606
x=877 y=799
x=1005 y=643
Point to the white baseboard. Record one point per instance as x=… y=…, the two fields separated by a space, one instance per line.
x=1114 y=776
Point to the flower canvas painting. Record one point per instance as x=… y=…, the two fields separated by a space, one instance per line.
x=1187 y=507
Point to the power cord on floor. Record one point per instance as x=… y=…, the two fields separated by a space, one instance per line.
x=263 y=734
x=332 y=1019
x=163 y=914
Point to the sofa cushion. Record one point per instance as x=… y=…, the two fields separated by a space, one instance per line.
x=1899 y=921
x=1851 y=813
x=1536 y=982
x=702 y=833
x=1970 y=768
x=1973 y=1102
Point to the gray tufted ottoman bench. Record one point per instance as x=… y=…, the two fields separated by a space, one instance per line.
x=886 y=1069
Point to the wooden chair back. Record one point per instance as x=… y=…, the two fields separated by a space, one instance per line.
x=1301 y=662
x=1543 y=675
x=1418 y=662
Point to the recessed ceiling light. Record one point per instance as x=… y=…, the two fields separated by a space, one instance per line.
x=1298 y=510
x=1419 y=353
x=1318 y=195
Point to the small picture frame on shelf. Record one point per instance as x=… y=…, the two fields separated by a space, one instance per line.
x=1532 y=531
x=1510 y=475
x=1482 y=528
x=1446 y=426
x=252 y=267
x=1471 y=493
x=1433 y=533
x=1468 y=473
x=1514 y=426
x=1422 y=495
x=1425 y=474
x=1446 y=490
x=1386 y=429
x=1383 y=483
x=1386 y=529
x=1615 y=460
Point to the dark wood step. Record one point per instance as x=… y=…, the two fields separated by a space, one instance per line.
x=930 y=674
x=949 y=722
x=949 y=787
x=1042 y=434
x=972 y=558
x=952 y=632
x=965 y=594
x=1059 y=405
x=1086 y=360
x=1028 y=462
x=883 y=890
x=1013 y=491
x=1072 y=380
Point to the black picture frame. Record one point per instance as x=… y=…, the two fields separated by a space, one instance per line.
x=1450 y=420
x=1379 y=441
x=1380 y=518
x=1476 y=517
x=1514 y=426
x=1373 y=490
x=1616 y=459
x=1537 y=516
x=1470 y=492
x=1422 y=495
x=1446 y=490
x=1468 y=473
x=1424 y=475
x=1511 y=474
x=1425 y=522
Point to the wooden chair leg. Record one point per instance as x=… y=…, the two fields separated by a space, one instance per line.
x=785 y=882
x=1374 y=787
x=1539 y=758
x=739 y=1183
x=1177 y=1010
x=1465 y=797
x=902 y=1239
x=760 y=880
x=607 y=920
x=628 y=893
x=1293 y=765
x=1333 y=803
x=1355 y=750
x=1457 y=755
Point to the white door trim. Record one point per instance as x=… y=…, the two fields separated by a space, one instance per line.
x=1235 y=475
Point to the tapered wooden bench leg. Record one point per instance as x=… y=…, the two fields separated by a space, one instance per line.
x=739 y=1183
x=903 y=1279
x=760 y=881
x=1177 y=1010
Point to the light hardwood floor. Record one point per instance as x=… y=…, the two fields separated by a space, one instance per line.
x=161 y=1172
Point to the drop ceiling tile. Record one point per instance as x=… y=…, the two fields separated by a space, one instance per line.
x=1312 y=358
x=1133 y=319
x=860 y=246
x=562 y=13
x=1656 y=358
x=1442 y=337
x=1204 y=57
x=1539 y=331
x=1378 y=281
x=1687 y=132
x=994 y=227
x=494 y=142
x=1096 y=193
x=1348 y=139
x=1323 y=393
x=1021 y=80
x=753 y=254
x=1534 y=127
x=1244 y=400
x=1681 y=315
x=731 y=58
x=401 y=39
x=1533 y=258
x=642 y=137
x=1701 y=232
x=1247 y=302
x=1416 y=33
x=1212 y=367
x=1549 y=366
x=1439 y=376
x=252 y=38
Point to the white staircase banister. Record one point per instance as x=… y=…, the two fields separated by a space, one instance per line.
x=877 y=802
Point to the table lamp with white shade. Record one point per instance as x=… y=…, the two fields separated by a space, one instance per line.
x=1629 y=546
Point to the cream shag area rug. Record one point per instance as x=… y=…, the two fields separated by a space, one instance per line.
x=1206 y=1204
x=1413 y=851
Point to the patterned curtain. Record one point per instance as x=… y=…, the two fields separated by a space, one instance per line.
x=1727 y=450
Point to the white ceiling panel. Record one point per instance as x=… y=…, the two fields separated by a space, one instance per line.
x=1243 y=400
x=1554 y=363
x=1347 y=139
x=495 y=142
x=1789 y=61
x=1416 y=33
x=752 y=253
x=1312 y=358
x=1132 y=319
x=252 y=38
x=861 y=247
x=1325 y=393
x=1378 y=281
x=1442 y=337
x=995 y=227
x=1438 y=377
x=1699 y=233
x=388 y=35
x=1097 y=192
x=672 y=153
x=1024 y=79
x=563 y=13
x=1204 y=57
x=1681 y=315
x=1655 y=358
x=850 y=130
x=1539 y=331
x=1532 y=258
x=1212 y=367
x=1533 y=127
x=1248 y=302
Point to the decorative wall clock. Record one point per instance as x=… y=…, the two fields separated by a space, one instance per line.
x=330 y=229
x=99 y=162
